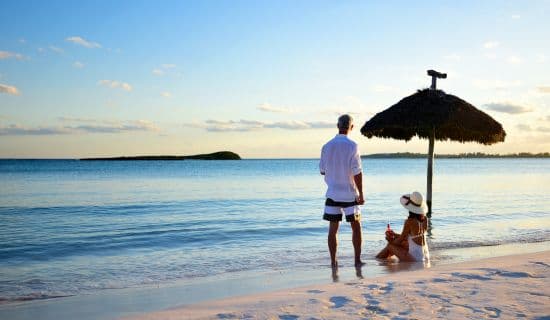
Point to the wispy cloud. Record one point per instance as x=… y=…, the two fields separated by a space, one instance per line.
x=7 y=89
x=491 y=44
x=253 y=125
x=78 y=64
x=56 y=49
x=166 y=94
x=507 y=108
x=114 y=84
x=158 y=72
x=269 y=108
x=11 y=55
x=89 y=126
x=516 y=16
x=18 y=130
x=82 y=42
x=543 y=89
x=166 y=69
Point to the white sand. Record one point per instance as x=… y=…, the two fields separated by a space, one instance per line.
x=510 y=287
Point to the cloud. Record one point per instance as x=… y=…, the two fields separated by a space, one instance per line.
x=166 y=94
x=56 y=49
x=253 y=125
x=516 y=16
x=514 y=60
x=292 y=125
x=93 y=126
x=78 y=64
x=11 y=55
x=18 y=130
x=491 y=44
x=541 y=58
x=115 y=84
x=269 y=108
x=82 y=42
x=11 y=90
x=165 y=68
x=110 y=127
x=543 y=89
x=507 y=108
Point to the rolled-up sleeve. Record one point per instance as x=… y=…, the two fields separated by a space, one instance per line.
x=356 y=162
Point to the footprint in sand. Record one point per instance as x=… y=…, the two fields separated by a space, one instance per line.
x=339 y=301
x=315 y=291
x=508 y=274
x=288 y=317
x=388 y=288
x=540 y=263
x=493 y=312
x=470 y=276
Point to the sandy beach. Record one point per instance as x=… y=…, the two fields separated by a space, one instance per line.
x=509 y=287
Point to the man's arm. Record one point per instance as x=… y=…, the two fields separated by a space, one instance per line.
x=358 y=179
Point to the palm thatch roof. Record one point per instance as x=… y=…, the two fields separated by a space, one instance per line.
x=420 y=113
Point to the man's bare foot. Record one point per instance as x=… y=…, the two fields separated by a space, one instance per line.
x=359 y=263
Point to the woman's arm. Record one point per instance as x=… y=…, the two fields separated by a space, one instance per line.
x=403 y=234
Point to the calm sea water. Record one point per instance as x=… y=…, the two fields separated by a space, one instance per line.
x=70 y=227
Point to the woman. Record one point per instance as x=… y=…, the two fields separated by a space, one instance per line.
x=411 y=244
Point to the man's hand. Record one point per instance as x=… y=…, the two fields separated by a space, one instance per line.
x=360 y=200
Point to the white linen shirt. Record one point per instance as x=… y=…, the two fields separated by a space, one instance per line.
x=340 y=162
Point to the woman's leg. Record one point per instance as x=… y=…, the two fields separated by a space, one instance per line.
x=384 y=254
x=400 y=252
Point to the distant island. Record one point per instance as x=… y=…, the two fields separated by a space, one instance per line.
x=409 y=155
x=222 y=155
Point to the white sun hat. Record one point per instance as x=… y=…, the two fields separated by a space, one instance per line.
x=414 y=202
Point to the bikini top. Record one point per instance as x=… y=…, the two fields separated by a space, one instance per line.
x=421 y=234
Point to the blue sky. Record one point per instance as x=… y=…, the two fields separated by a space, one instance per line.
x=261 y=78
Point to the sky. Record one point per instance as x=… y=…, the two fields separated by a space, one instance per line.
x=264 y=79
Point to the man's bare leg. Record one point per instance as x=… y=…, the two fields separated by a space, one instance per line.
x=357 y=239
x=333 y=242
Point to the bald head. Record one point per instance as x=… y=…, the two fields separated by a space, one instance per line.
x=345 y=123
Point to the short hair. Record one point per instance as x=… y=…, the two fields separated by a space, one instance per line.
x=344 y=122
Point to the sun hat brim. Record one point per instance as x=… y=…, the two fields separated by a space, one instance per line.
x=407 y=204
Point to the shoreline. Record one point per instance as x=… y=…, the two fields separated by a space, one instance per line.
x=512 y=286
x=145 y=301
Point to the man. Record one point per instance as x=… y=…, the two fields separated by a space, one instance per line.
x=341 y=165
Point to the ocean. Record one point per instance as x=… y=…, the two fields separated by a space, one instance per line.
x=72 y=228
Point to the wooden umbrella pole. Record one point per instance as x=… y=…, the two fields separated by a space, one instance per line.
x=430 y=172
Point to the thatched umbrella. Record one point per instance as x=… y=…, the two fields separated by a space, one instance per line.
x=434 y=115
